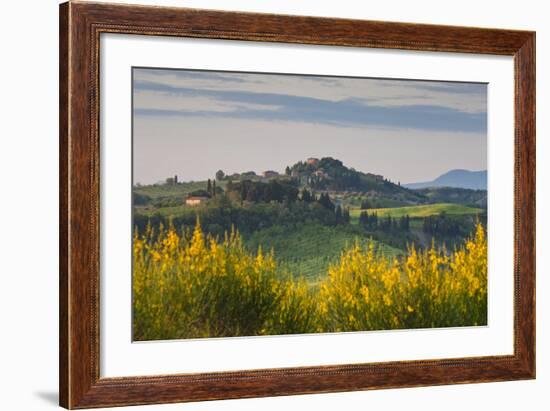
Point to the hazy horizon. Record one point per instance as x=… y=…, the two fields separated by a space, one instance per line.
x=192 y=123
x=281 y=171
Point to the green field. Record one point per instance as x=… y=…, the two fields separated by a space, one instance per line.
x=307 y=250
x=180 y=190
x=420 y=210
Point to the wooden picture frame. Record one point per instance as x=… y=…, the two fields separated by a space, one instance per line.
x=80 y=27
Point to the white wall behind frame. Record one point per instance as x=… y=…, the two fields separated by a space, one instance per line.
x=28 y=77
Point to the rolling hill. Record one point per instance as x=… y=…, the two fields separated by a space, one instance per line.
x=475 y=180
x=308 y=249
x=330 y=174
x=421 y=210
x=464 y=196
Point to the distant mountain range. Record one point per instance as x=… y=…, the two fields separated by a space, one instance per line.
x=474 y=180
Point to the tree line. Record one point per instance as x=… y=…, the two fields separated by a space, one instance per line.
x=441 y=225
x=372 y=222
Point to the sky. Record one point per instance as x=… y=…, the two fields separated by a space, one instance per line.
x=192 y=123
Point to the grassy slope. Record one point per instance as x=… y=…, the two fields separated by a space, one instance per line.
x=421 y=210
x=178 y=191
x=307 y=250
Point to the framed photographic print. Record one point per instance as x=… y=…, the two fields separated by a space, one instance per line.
x=257 y=205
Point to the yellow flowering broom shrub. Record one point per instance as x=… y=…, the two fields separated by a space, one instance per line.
x=431 y=288
x=192 y=286
x=189 y=285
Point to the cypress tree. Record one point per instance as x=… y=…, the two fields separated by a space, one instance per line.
x=346 y=216
x=364 y=218
x=338 y=212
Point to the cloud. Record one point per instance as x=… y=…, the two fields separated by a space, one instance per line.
x=339 y=101
x=171 y=75
x=147 y=99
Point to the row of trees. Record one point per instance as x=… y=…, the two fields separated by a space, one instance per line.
x=220 y=215
x=366 y=204
x=286 y=192
x=372 y=223
x=441 y=225
x=261 y=192
x=342 y=214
